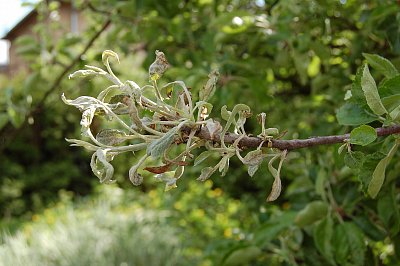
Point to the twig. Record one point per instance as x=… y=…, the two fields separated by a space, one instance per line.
x=251 y=142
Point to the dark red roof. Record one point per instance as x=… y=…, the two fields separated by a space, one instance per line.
x=20 y=24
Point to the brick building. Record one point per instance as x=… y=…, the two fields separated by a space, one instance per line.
x=71 y=21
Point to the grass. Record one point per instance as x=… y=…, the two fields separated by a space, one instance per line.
x=98 y=232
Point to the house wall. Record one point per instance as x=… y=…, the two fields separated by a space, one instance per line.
x=67 y=16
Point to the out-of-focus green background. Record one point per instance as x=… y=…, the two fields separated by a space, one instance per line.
x=293 y=60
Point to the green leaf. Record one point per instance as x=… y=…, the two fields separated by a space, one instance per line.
x=241 y=255
x=371 y=94
x=354 y=160
x=391 y=102
x=390 y=87
x=111 y=136
x=381 y=64
x=395 y=114
x=349 y=245
x=368 y=166
x=158 y=146
x=352 y=114
x=363 y=135
x=369 y=227
x=322 y=238
x=388 y=210
x=314 y=211
x=378 y=176
x=202 y=156
x=273 y=227
x=3 y=120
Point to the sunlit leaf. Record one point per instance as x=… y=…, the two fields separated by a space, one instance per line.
x=378 y=176
x=381 y=64
x=370 y=90
x=363 y=135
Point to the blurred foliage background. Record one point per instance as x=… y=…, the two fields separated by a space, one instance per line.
x=293 y=60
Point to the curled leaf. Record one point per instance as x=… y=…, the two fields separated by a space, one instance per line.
x=276 y=185
x=107 y=54
x=170 y=184
x=134 y=176
x=82 y=102
x=206 y=173
x=254 y=157
x=136 y=179
x=214 y=127
x=158 y=146
x=81 y=143
x=159 y=66
x=111 y=136
x=179 y=171
x=252 y=169
x=209 y=89
x=101 y=167
x=225 y=114
x=86 y=121
x=202 y=156
x=158 y=169
x=223 y=165
x=169 y=180
x=83 y=73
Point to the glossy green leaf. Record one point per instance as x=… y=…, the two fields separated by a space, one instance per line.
x=363 y=135
x=378 y=176
x=322 y=235
x=352 y=114
x=381 y=64
x=370 y=90
x=314 y=211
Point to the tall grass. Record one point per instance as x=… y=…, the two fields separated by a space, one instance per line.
x=98 y=234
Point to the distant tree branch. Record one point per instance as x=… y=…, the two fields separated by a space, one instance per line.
x=68 y=68
x=8 y=132
x=251 y=142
